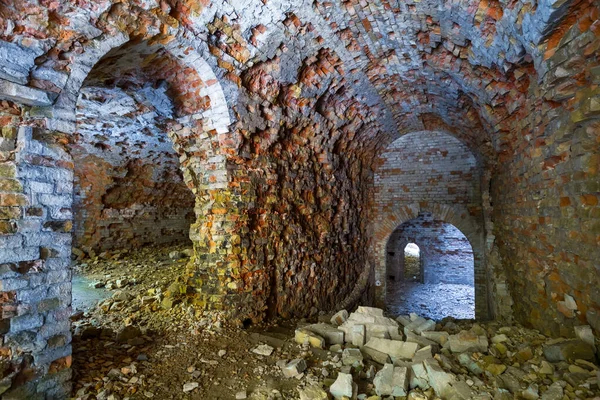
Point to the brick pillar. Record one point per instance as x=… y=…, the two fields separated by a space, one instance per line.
x=36 y=188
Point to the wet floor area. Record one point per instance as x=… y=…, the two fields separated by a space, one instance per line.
x=434 y=301
x=85 y=296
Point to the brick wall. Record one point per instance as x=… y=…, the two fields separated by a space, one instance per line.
x=129 y=189
x=446 y=253
x=427 y=166
x=424 y=177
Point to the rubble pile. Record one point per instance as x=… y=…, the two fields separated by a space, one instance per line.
x=144 y=287
x=375 y=357
x=135 y=345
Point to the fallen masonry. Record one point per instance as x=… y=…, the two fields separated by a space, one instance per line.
x=141 y=348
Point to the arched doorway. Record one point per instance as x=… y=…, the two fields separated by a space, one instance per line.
x=435 y=278
x=412 y=263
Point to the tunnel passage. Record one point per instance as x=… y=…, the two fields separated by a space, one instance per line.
x=441 y=282
x=428 y=190
x=128 y=187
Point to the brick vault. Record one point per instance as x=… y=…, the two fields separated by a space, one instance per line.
x=288 y=140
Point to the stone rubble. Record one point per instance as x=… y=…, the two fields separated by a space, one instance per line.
x=360 y=355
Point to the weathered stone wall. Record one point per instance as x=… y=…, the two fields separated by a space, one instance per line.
x=446 y=254
x=317 y=91
x=36 y=175
x=129 y=188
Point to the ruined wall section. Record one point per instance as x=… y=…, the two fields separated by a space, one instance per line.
x=304 y=152
x=36 y=175
x=447 y=256
x=129 y=188
x=547 y=192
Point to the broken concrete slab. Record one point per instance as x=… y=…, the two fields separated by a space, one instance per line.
x=467 y=341
x=396 y=349
x=331 y=334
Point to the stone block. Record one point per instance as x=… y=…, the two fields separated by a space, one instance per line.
x=358 y=335
x=331 y=334
x=352 y=357
x=25 y=94
x=375 y=355
x=339 y=318
x=419 y=377
x=392 y=381
x=467 y=341
x=26 y=322
x=302 y=336
x=294 y=368
x=343 y=387
x=397 y=350
x=439 y=379
x=371 y=311
x=568 y=349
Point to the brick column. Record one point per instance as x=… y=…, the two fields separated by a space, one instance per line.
x=36 y=186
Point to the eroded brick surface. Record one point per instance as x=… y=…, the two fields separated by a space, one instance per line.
x=279 y=113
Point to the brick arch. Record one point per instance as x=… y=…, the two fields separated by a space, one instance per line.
x=399 y=258
x=456 y=215
x=216 y=119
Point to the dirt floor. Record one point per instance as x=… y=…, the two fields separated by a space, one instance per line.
x=131 y=341
x=173 y=346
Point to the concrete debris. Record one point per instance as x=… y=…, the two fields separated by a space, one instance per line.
x=343 y=387
x=391 y=381
x=188 y=387
x=339 y=318
x=460 y=360
x=294 y=368
x=263 y=350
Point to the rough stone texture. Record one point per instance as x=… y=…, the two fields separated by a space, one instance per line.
x=280 y=111
x=129 y=189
